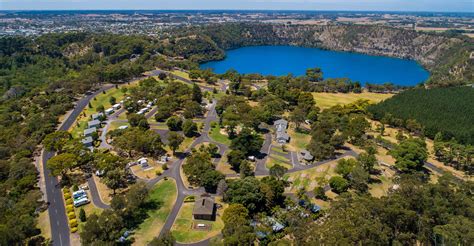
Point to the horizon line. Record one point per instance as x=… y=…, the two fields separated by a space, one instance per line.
x=257 y=10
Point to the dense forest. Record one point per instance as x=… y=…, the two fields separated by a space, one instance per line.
x=446 y=110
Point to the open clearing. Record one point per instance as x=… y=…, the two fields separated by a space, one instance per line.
x=164 y=195
x=183 y=229
x=327 y=100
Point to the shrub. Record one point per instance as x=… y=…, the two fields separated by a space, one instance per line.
x=158 y=173
x=69 y=201
x=339 y=184
x=69 y=208
x=73 y=223
x=67 y=195
x=189 y=199
x=165 y=167
x=74 y=229
x=75 y=188
x=71 y=215
x=66 y=190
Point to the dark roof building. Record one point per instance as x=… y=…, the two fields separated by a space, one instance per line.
x=87 y=141
x=204 y=209
x=93 y=123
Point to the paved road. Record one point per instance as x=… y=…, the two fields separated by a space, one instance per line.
x=56 y=209
x=95 y=196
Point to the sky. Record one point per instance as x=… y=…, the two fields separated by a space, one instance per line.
x=371 y=5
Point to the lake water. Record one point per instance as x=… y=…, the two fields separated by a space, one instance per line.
x=281 y=60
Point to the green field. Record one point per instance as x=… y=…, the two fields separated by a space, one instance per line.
x=327 y=100
x=217 y=136
x=182 y=228
x=164 y=195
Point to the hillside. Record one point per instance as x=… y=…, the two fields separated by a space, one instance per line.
x=446 y=110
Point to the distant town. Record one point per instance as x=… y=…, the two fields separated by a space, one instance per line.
x=150 y=22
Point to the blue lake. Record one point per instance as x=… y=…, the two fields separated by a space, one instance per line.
x=282 y=60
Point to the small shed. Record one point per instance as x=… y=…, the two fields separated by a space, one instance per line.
x=204 y=209
x=282 y=137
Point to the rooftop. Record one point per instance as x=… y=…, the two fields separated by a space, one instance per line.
x=204 y=205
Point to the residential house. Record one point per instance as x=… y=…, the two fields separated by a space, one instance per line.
x=281 y=135
x=96 y=116
x=204 y=209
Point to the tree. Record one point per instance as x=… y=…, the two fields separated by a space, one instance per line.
x=60 y=164
x=344 y=167
x=359 y=178
x=137 y=120
x=278 y=171
x=410 y=154
x=165 y=239
x=197 y=94
x=174 y=141
x=213 y=150
x=112 y=100
x=115 y=179
x=319 y=193
x=237 y=230
x=367 y=161
x=247 y=142
x=103 y=229
x=137 y=140
x=338 y=184
x=56 y=141
x=189 y=128
x=221 y=187
x=174 y=123
x=82 y=215
x=298 y=117
x=247 y=192
x=245 y=169
x=162 y=76
x=192 y=109
x=234 y=158
x=356 y=129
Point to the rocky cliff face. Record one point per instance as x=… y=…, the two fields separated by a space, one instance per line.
x=375 y=40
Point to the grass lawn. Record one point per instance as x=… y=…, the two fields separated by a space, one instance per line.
x=44 y=224
x=327 y=100
x=298 y=140
x=273 y=161
x=182 y=228
x=223 y=166
x=115 y=124
x=164 y=194
x=217 y=136
x=181 y=74
x=310 y=178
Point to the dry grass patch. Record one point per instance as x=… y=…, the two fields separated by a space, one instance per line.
x=327 y=100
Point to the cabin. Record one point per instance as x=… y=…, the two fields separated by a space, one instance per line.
x=117 y=106
x=89 y=131
x=96 y=116
x=109 y=111
x=93 y=123
x=204 y=209
x=87 y=141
